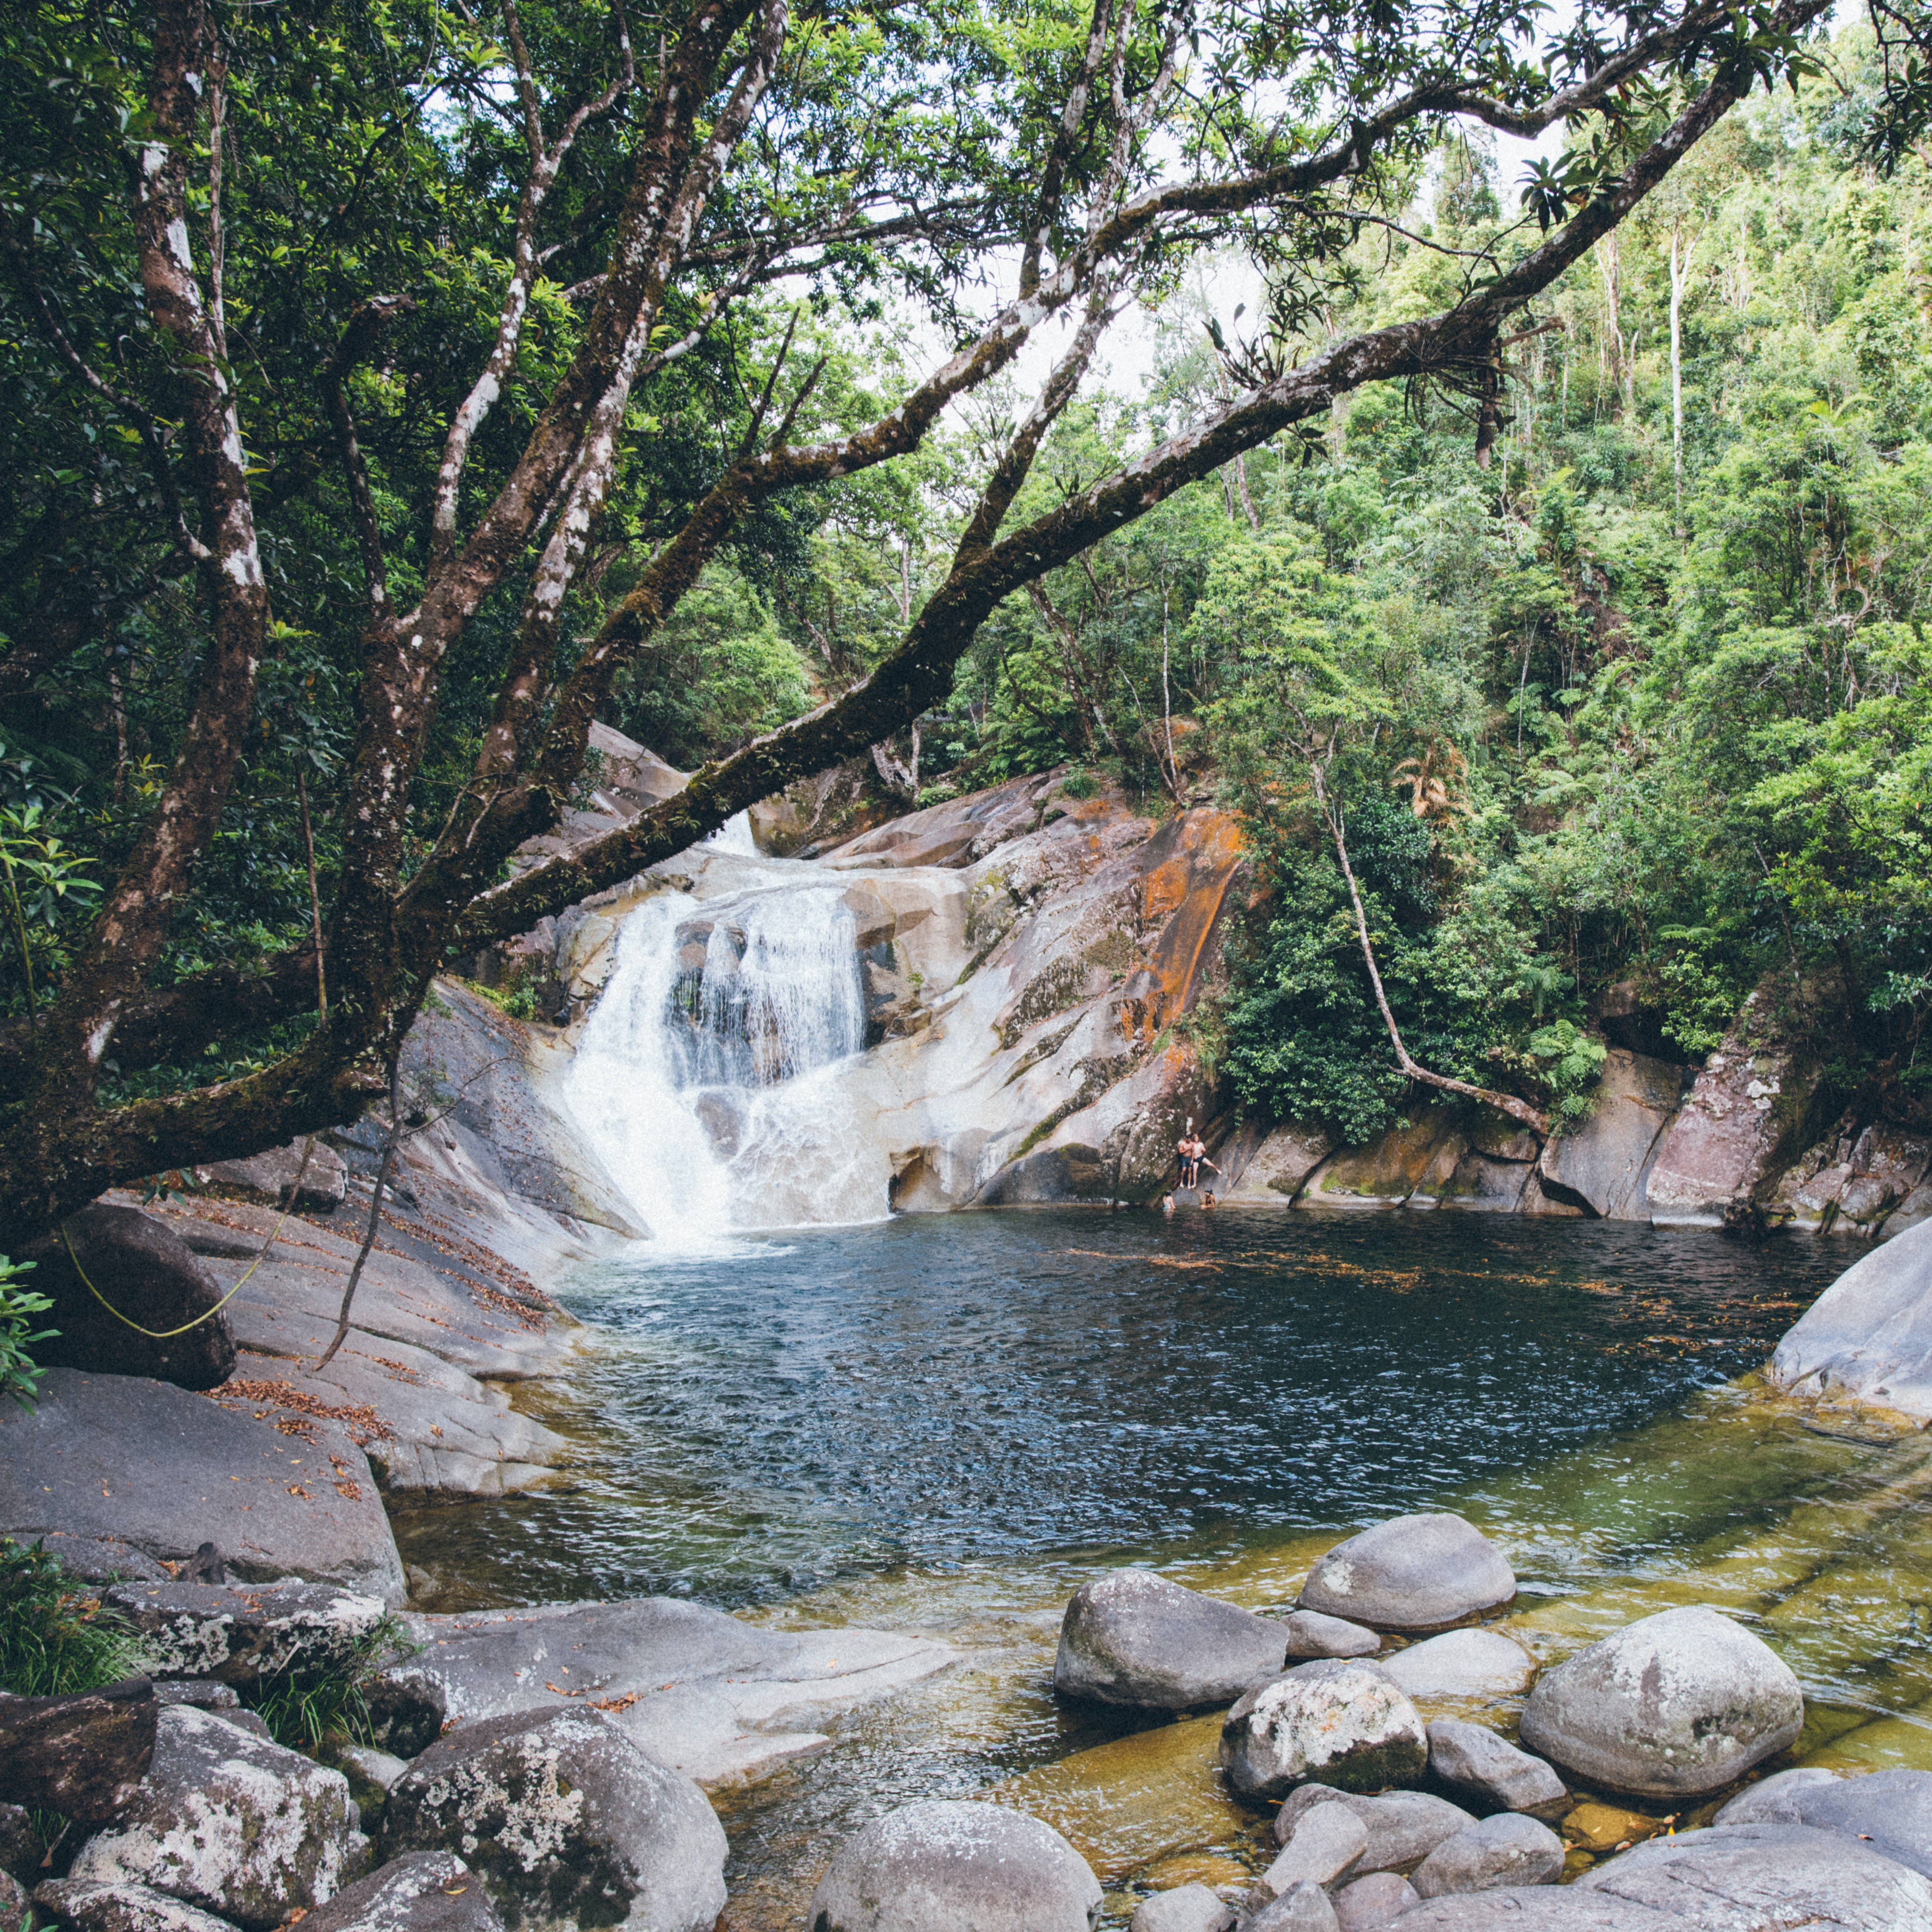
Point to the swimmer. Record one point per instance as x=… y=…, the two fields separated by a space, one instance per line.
x=1208 y=1199
x=1167 y=1204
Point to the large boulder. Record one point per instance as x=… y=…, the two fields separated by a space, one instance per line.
x=1868 y=1337
x=566 y=1821
x=1737 y=1878
x=1413 y=1572
x=422 y=1891
x=1604 y=1163
x=1491 y=1773
x=237 y=1633
x=1507 y=1849
x=1331 y=1722
x=1418 y=1155
x=138 y=1265
x=82 y=1905
x=1675 y=1705
x=78 y=1755
x=123 y=1461
x=1273 y=1175
x=953 y=1866
x=233 y=1824
x=1400 y=1827
x=1462 y=1663
x=1131 y=1637
x=281 y=1178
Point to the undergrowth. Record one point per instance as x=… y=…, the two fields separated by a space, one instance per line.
x=56 y=1639
x=302 y=1707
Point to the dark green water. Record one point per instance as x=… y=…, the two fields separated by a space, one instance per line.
x=1051 y=1386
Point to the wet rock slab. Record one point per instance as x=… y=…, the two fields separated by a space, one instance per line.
x=119 y=1461
x=1890 y=1811
x=1739 y=1878
x=1133 y=1638
x=704 y=1693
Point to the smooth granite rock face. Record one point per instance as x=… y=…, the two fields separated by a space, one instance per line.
x=1891 y=1810
x=954 y=1866
x=1332 y=1723
x=565 y=1822
x=422 y=1891
x=124 y=1460
x=1545 y=1908
x=233 y=1824
x=1402 y=1826
x=1507 y=1849
x=1322 y=1844
x=271 y=1178
x=1367 y=1904
x=1187 y=1908
x=81 y=1905
x=1131 y=1637
x=1462 y=1663
x=1413 y=1572
x=1739 y=1878
x=1491 y=1773
x=1306 y=1907
x=1774 y=1800
x=1676 y=1705
x=1310 y=1634
x=1869 y=1336
x=236 y=1632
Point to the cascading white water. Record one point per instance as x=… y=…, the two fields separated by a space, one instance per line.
x=707 y=1074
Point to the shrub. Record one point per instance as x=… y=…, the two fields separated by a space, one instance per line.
x=302 y=1707
x=19 y=1377
x=56 y=1639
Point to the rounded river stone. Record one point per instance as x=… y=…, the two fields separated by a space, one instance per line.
x=950 y=1865
x=1328 y=1723
x=1677 y=1704
x=1131 y=1637
x=1413 y=1572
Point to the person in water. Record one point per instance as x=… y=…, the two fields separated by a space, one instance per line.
x=1208 y=1199
x=1167 y=1204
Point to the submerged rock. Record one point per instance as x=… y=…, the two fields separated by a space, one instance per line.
x=953 y=1866
x=238 y=1633
x=1676 y=1705
x=565 y=1821
x=1462 y=1663
x=1491 y=1772
x=1734 y=1877
x=1332 y=1722
x=233 y=1824
x=1507 y=1849
x=1187 y=1908
x=1413 y=1572
x=1367 y=1904
x=1402 y=1826
x=1311 y=1634
x=1132 y=1637
x=422 y=1891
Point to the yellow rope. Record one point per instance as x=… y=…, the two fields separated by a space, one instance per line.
x=207 y=1315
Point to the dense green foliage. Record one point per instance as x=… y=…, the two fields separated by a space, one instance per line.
x=55 y=1638
x=20 y=1308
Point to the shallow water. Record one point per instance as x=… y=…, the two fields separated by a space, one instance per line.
x=946 y=1423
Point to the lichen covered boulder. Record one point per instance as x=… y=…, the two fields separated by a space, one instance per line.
x=1677 y=1704
x=1332 y=1722
x=954 y=1866
x=82 y=1905
x=233 y=1824
x=1413 y=1572
x=236 y=1632
x=1131 y=1637
x=566 y=1821
x=422 y=1891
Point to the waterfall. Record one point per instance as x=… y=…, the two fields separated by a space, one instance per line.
x=708 y=1075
